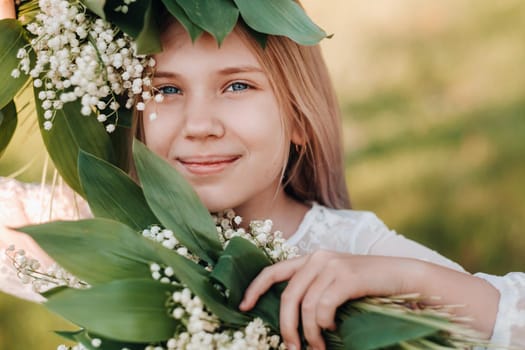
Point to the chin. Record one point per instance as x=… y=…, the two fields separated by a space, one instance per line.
x=213 y=205
x=218 y=198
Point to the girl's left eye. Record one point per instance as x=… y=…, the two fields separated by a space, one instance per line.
x=237 y=86
x=169 y=90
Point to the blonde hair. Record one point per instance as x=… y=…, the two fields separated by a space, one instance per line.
x=303 y=88
x=314 y=169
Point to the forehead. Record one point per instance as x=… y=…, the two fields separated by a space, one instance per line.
x=178 y=49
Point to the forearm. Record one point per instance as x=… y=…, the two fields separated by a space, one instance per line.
x=7 y=9
x=479 y=299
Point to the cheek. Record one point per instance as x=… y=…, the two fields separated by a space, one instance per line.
x=160 y=132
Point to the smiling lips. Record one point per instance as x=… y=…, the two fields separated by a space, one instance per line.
x=207 y=165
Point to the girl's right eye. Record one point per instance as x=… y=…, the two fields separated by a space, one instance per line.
x=169 y=90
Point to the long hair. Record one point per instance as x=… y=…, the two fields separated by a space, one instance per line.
x=303 y=88
x=314 y=169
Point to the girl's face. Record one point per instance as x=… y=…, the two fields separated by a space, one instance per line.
x=219 y=123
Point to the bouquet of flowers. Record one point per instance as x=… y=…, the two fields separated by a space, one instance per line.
x=153 y=269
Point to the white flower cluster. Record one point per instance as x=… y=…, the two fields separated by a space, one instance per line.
x=203 y=329
x=259 y=233
x=82 y=57
x=29 y=271
x=255 y=336
x=95 y=342
x=168 y=240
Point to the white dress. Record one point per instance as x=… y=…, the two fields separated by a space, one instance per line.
x=350 y=231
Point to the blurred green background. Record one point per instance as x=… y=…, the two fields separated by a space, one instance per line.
x=433 y=95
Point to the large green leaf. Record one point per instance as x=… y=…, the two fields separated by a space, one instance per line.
x=96 y=250
x=238 y=265
x=122 y=141
x=11 y=40
x=125 y=310
x=139 y=22
x=71 y=132
x=280 y=17
x=217 y=17
x=148 y=41
x=8 y=121
x=368 y=331
x=197 y=278
x=176 y=204
x=181 y=16
x=112 y=194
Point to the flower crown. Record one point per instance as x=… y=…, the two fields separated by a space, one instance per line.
x=91 y=58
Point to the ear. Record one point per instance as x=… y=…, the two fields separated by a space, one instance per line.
x=297 y=137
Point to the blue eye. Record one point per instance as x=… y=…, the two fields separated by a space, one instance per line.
x=237 y=86
x=169 y=90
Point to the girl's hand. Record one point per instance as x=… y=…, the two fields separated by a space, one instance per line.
x=319 y=283
x=7 y=9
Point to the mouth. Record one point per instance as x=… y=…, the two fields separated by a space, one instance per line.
x=207 y=165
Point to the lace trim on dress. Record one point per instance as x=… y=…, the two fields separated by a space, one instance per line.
x=322 y=229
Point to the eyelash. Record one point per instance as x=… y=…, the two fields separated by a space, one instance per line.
x=163 y=89
x=230 y=88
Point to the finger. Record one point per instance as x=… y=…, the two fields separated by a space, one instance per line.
x=270 y=275
x=343 y=287
x=310 y=308
x=294 y=293
x=334 y=296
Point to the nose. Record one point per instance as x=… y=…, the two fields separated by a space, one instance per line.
x=201 y=120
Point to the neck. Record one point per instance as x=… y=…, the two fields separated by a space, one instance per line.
x=285 y=212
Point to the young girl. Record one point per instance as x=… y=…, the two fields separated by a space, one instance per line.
x=256 y=130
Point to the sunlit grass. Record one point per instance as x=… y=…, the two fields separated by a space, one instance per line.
x=26 y=325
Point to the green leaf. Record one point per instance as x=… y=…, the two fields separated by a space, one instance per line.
x=148 y=40
x=139 y=22
x=112 y=194
x=176 y=204
x=96 y=250
x=238 y=265
x=280 y=17
x=95 y=6
x=197 y=278
x=367 y=331
x=8 y=121
x=177 y=12
x=11 y=40
x=50 y=292
x=71 y=132
x=125 y=310
x=217 y=17
x=122 y=141
x=81 y=336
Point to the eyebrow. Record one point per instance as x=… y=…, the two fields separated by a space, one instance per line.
x=224 y=71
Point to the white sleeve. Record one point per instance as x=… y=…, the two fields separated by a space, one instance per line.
x=373 y=237
x=24 y=204
x=358 y=232
x=509 y=329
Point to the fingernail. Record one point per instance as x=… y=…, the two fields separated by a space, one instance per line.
x=291 y=347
